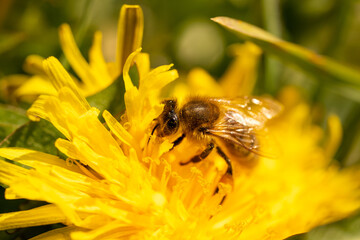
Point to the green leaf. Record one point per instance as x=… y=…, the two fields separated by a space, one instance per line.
x=11 y=118
x=17 y=131
x=347 y=229
x=313 y=63
x=111 y=98
x=39 y=136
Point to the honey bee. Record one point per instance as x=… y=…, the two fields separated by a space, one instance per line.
x=231 y=126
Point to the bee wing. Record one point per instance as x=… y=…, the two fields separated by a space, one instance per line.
x=255 y=141
x=243 y=123
x=247 y=111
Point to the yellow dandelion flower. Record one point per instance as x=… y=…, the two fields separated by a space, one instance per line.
x=95 y=75
x=118 y=183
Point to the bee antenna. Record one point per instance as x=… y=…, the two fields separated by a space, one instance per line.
x=152 y=132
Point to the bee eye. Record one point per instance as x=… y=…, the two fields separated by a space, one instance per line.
x=172 y=124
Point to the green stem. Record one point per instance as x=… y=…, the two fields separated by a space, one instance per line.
x=322 y=67
x=272 y=23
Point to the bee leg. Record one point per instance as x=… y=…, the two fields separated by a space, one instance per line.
x=178 y=141
x=229 y=170
x=202 y=155
x=228 y=176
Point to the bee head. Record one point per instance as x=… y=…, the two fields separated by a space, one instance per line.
x=168 y=121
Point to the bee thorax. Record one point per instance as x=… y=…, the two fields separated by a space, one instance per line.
x=197 y=115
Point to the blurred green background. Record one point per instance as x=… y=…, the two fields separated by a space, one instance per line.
x=181 y=32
